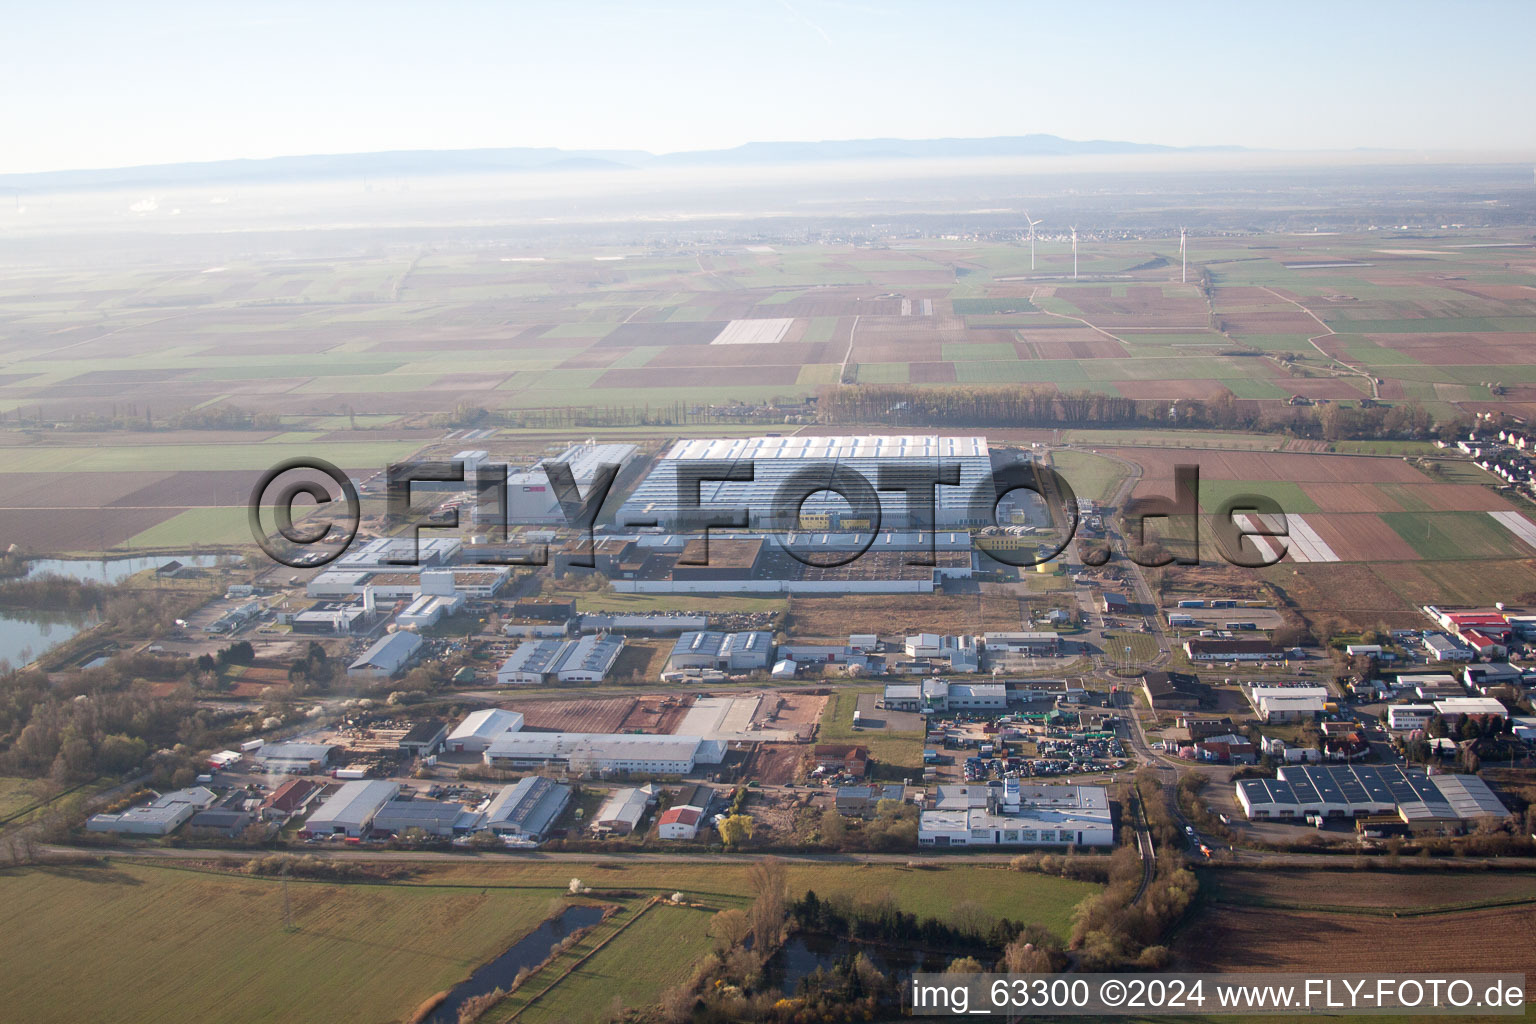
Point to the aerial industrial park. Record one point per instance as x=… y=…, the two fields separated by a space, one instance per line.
x=762 y=582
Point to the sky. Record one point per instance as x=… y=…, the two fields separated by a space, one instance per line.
x=108 y=85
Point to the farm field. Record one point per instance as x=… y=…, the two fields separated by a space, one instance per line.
x=381 y=950
x=355 y=359
x=1263 y=939
x=362 y=946
x=1342 y=921
x=626 y=971
x=1377 y=892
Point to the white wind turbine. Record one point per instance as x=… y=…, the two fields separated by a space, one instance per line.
x=1032 y=224
x=1183 y=258
x=1074 y=253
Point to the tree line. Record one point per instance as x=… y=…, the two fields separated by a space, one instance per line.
x=1034 y=405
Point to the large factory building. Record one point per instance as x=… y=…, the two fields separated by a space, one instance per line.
x=773 y=461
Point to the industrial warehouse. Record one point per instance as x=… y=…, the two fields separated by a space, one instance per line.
x=761 y=466
x=1421 y=802
x=583 y=753
x=1018 y=815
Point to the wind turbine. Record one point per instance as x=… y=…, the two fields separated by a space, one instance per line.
x=1183 y=258
x=1032 y=224
x=1074 y=253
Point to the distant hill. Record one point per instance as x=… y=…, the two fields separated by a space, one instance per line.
x=411 y=163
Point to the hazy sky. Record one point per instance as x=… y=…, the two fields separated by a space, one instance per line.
x=100 y=85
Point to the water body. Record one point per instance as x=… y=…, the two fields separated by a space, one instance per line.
x=110 y=570
x=529 y=951
x=26 y=635
x=804 y=953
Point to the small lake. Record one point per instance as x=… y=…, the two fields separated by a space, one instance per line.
x=28 y=635
x=804 y=953
x=110 y=570
x=25 y=636
x=529 y=951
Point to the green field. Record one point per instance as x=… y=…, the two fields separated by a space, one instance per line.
x=1143 y=647
x=1454 y=535
x=74 y=939
x=1090 y=476
x=75 y=942
x=885 y=745
x=627 y=968
x=1293 y=500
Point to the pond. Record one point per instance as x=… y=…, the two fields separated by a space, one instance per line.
x=529 y=951
x=26 y=635
x=803 y=953
x=110 y=570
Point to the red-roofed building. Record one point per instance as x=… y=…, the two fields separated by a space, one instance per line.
x=1485 y=622
x=1226 y=753
x=679 y=823
x=290 y=798
x=1484 y=643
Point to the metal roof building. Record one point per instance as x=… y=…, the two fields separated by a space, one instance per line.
x=1347 y=791
x=161 y=817
x=434 y=817
x=586 y=660
x=479 y=728
x=622 y=812
x=774 y=460
x=528 y=809
x=595 y=752
x=1020 y=816
x=711 y=648
x=282 y=758
x=351 y=809
x=391 y=653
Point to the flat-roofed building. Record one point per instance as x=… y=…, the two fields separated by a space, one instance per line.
x=1034 y=644
x=776 y=460
x=1288 y=703
x=593 y=752
x=162 y=816
x=1431 y=685
x=1401 y=717
x=1454 y=709
x=480 y=728
x=904 y=696
x=531 y=496
x=293 y=758
x=1232 y=650
x=977 y=697
x=1027 y=816
x=434 y=817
